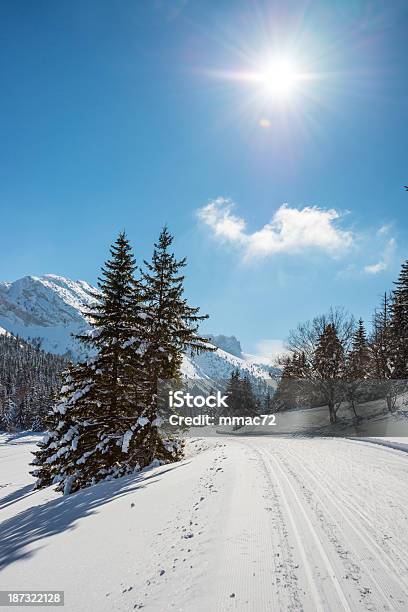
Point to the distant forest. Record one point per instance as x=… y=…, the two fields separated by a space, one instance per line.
x=29 y=383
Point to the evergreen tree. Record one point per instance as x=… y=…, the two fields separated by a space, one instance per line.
x=170 y=328
x=358 y=360
x=329 y=368
x=399 y=326
x=13 y=415
x=29 y=382
x=233 y=392
x=380 y=344
x=242 y=401
x=358 y=367
x=249 y=405
x=95 y=427
x=293 y=387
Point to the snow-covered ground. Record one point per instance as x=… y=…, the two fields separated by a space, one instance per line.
x=259 y=524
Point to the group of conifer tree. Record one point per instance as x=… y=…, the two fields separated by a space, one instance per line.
x=242 y=400
x=106 y=423
x=29 y=379
x=340 y=361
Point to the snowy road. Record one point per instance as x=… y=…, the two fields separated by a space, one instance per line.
x=259 y=524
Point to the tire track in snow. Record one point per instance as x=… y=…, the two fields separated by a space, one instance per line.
x=348 y=512
x=354 y=501
x=320 y=599
x=286 y=567
x=337 y=516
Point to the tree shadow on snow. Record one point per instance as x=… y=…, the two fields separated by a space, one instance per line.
x=15 y=496
x=14 y=438
x=52 y=517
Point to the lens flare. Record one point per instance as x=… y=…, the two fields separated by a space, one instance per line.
x=279 y=77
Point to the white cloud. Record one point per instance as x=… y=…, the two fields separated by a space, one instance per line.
x=384 y=229
x=217 y=214
x=290 y=230
x=270 y=348
x=385 y=260
x=375 y=268
x=266 y=351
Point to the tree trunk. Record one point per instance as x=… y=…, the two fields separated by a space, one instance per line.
x=332 y=412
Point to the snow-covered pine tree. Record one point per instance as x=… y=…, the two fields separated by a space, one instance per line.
x=380 y=341
x=233 y=391
x=241 y=397
x=293 y=388
x=171 y=328
x=248 y=400
x=29 y=379
x=359 y=359
x=94 y=427
x=329 y=368
x=358 y=368
x=13 y=415
x=399 y=325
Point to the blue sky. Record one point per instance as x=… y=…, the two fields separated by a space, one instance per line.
x=133 y=114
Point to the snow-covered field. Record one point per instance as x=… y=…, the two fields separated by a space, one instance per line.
x=258 y=524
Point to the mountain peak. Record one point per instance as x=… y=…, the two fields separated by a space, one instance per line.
x=50 y=310
x=230 y=344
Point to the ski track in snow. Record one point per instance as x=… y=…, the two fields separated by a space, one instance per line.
x=257 y=524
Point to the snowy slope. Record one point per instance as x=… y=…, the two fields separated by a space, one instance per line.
x=219 y=366
x=249 y=524
x=50 y=308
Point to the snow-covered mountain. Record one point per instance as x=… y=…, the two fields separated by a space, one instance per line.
x=219 y=365
x=49 y=309
x=230 y=344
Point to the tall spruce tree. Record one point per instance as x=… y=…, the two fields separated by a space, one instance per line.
x=399 y=325
x=329 y=368
x=241 y=397
x=358 y=360
x=233 y=391
x=94 y=429
x=358 y=367
x=293 y=388
x=170 y=328
x=381 y=341
x=248 y=400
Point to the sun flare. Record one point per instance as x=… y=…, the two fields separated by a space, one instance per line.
x=279 y=77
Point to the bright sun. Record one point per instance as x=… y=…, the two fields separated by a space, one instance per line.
x=279 y=78
x=273 y=80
